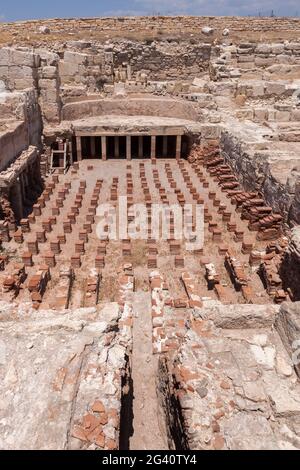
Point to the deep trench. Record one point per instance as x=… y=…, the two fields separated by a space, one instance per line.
x=151 y=417
x=176 y=436
x=126 y=417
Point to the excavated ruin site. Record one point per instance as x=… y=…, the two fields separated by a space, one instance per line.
x=144 y=344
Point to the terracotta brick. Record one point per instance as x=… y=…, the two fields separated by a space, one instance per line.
x=50 y=260
x=41 y=202
x=25 y=226
x=59 y=203
x=152 y=250
x=18 y=236
x=76 y=261
x=92 y=210
x=74 y=210
x=223 y=249
x=27 y=259
x=231 y=226
x=212 y=225
x=31 y=219
x=46 y=224
x=100 y=261
x=226 y=216
x=41 y=236
x=90 y=218
x=55 y=211
x=32 y=245
x=238 y=235
x=217 y=235
x=80 y=247
x=37 y=210
x=71 y=218
x=88 y=227
x=174 y=247
x=61 y=238
x=67 y=226
x=152 y=262
x=83 y=236
x=94 y=202
x=46 y=195
x=61 y=194
x=247 y=246
x=179 y=262
x=55 y=247
x=101 y=249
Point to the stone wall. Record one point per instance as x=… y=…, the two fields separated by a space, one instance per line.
x=254 y=171
x=18 y=69
x=252 y=59
x=12 y=142
x=256 y=27
x=290 y=269
x=21 y=125
x=164 y=60
x=133 y=107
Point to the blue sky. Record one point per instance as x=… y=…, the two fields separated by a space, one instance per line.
x=11 y=10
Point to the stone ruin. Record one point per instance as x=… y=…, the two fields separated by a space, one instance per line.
x=143 y=344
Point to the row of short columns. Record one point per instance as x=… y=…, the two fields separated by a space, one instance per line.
x=128 y=147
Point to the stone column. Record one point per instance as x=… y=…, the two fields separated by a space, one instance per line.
x=104 y=147
x=129 y=74
x=128 y=147
x=153 y=147
x=117 y=146
x=165 y=146
x=178 y=147
x=70 y=148
x=17 y=201
x=79 y=149
x=141 y=146
x=93 y=146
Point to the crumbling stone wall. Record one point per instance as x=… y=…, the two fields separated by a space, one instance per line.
x=24 y=130
x=133 y=107
x=290 y=269
x=164 y=60
x=249 y=57
x=18 y=69
x=253 y=170
x=152 y=26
